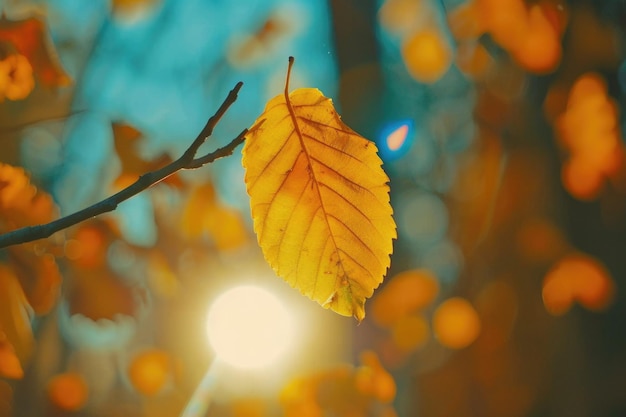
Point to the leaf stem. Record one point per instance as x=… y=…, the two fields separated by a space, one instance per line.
x=291 y=61
x=187 y=161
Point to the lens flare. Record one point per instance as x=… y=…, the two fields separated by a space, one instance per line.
x=248 y=327
x=395 y=139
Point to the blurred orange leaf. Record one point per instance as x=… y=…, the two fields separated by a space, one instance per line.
x=40 y=278
x=319 y=200
x=226 y=227
x=21 y=204
x=87 y=245
x=342 y=391
x=381 y=384
x=405 y=293
x=16 y=337
x=127 y=140
x=10 y=366
x=203 y=213
x=201 y=199
x=254 y=48
x=29 y=37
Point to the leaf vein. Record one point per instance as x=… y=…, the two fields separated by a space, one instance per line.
x=356 y=235
x=309 y=157
x=270 y=162
x=357 y=208
x=328 y=145
x=271 y=203
x=291 y=213
x=340 y=175
x=359 y=264
x=349 y=132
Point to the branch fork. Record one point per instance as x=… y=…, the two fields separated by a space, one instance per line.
x=188 y=160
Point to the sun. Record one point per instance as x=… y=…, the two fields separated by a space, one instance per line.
x=248 y=327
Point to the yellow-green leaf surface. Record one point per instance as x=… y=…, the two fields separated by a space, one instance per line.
x=319 y=200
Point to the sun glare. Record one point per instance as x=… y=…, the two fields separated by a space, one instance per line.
x=248 y=327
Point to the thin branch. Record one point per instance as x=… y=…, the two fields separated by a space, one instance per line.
x=187 y=161
x=5 y=130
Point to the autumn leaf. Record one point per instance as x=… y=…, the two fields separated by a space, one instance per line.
x=204 y=213
x=29 y=37
x=16 y=338
x=22 y=204
x=320 y=201
x=127 y=140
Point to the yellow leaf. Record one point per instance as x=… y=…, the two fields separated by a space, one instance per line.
x=320 y=201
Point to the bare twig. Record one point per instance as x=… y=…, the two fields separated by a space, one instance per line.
x=187 y=161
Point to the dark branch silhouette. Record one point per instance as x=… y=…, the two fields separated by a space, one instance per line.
x=187 y=161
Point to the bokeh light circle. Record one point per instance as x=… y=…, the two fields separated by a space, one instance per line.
x=248 y=327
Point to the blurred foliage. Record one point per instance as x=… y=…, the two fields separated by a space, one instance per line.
x=499 y=123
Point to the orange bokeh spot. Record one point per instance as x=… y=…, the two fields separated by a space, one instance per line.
x=589 y=131
x=539 y=51
x=405 y=293
x=456 y=323
x=557 y=295
x=16 y=77
x=149 y=371
x=68 y=391
x=581 y=180
x=427 y=55
x=410 y=332
x=578 y=278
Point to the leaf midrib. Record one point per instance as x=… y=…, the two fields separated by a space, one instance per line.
x=294 y=120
